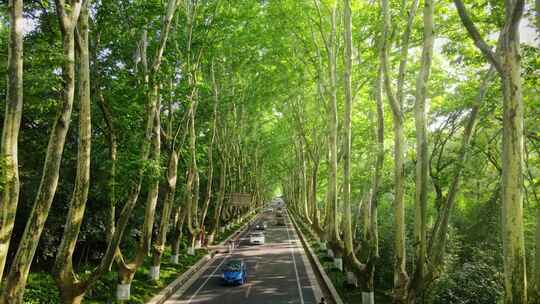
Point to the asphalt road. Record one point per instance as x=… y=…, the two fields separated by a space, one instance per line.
x=278 y=272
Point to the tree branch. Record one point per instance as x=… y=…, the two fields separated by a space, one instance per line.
x=476 y=37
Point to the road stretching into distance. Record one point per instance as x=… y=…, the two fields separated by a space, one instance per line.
x=278 y=272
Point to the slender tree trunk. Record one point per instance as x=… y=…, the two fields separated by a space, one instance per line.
x=63 y=271
x=192 y=186
x=347 y=126
x=372 y=225
x=10 y=132
x=159 y=245
x=512 y=172
x=126 y=270
x=507 y=62
x=16 y=280
x=313 y=198
x=333 y=228
x=178 y=233
x=210 y=176
x=221 y=197
x=422 y=157
x=396 y=104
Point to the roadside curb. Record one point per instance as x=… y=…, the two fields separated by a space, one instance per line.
x=320 y=269
x=195 y=270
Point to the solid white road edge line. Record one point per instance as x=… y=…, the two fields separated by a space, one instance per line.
x=294 y=262
x=309 y=270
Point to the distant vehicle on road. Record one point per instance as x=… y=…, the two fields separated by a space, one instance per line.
x=256 y=238
x=235 y=272
x=261 y=226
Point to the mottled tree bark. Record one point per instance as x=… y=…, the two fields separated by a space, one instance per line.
x=332 y=228
x=416 y=288
x=210 y=174
x=401 y=278
x=16 y=280
x=506 y=61
x=347 y=137
x=216 y=219
x=9 y=165
x=159 y=245
x=127 y=269
x=63 y=271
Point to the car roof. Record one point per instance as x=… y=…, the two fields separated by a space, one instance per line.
x=234 y=262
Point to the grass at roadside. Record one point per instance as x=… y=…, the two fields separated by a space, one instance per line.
x=41 y=288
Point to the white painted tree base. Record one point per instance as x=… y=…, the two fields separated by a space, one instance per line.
x=174 y=258
x=221 y=229
x=123 y=291
x=154 y=273
x=330 y=253
x=322 y=245
x=368 y=298
x=198 y=244
x=338 y=263
x=191 y=251
x=351 y=279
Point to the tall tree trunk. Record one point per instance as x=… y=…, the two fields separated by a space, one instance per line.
x=180 y=217
x=159 y=245
x=347 y=126
x=216 y=219
x=126 y=270
x=210 y=175
x=507 y=62
x=16 y=280
x=63 y=271
x=396 y=104
x=192 y=186
x=371 y=225
x=9 y=165
x=422 y=157
x=332 y=228
x=512 y=171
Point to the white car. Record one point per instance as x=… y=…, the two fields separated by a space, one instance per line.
x=256 y=238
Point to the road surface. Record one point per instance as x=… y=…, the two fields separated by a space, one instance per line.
x=278 y=273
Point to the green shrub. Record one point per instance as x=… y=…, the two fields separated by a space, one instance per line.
x=477 y=282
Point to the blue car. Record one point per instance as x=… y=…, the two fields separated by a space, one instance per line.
x=235 y=272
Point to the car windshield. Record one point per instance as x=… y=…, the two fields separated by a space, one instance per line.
x=256 y=234
x=232 y=266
